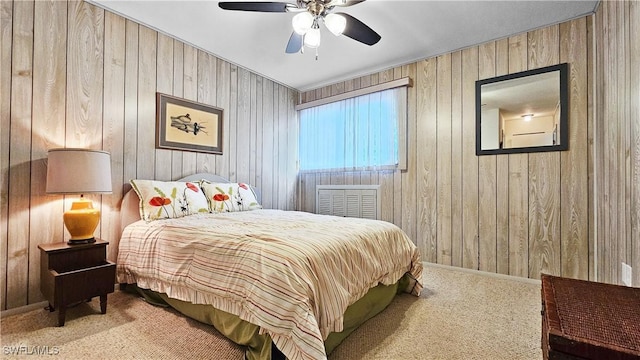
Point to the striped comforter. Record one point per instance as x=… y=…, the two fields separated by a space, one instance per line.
x=291 y=273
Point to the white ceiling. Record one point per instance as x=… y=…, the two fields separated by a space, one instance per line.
x=410 y=30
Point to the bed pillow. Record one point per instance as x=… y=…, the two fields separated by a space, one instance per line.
x=169 y=199
x=229 y=197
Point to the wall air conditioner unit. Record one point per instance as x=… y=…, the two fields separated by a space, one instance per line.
x=360 y=201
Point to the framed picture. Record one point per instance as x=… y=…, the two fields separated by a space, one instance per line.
x=187 y=125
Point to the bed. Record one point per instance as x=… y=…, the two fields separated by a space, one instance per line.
x=265 y=278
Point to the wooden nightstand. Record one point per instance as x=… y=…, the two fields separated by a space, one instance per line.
x=73 y=273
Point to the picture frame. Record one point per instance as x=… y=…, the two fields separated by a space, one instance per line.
x=188 y=125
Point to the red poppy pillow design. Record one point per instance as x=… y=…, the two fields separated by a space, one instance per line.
x=230 y=197
x=169 y=199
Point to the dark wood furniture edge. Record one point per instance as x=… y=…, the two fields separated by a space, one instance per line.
x=560 y=345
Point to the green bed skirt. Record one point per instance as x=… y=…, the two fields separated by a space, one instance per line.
x=259 y=347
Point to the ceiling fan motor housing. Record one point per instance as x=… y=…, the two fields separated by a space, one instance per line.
x=315 y=7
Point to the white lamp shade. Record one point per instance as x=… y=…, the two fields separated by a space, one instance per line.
x=78 y=171
x=302 y=23
x=312 y=38
x=335 y=23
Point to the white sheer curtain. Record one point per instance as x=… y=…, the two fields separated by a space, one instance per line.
x=356 y=133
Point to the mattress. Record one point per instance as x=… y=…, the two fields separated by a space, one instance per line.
x=293 y=274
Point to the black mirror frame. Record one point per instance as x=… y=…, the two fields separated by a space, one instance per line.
x=564 y=111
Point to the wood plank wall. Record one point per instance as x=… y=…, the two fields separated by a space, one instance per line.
x=74 y=75
x=617 y=139
x=520 y=214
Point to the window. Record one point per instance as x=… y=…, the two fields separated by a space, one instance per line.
x=361 y=132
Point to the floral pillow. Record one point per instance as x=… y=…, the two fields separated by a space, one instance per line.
x=169 y=199
x=229 y=197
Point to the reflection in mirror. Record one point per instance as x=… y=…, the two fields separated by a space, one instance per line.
x=522 y=112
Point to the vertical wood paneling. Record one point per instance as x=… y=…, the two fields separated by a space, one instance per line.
x=615 y=134
x=207 y=95
x=84 y=76
x=164 y=84
x=600 y=175
x=78 y=76
x=178 y=90
x=386 y=194
x=443 y=159
x=622 y=76
x=283 y=111
x=634 y=68
x=397 y=175
x=48 y=127
x=18 y=234
x=574 y=206
x=267 y=145
x=292 y=156
x=130 y=146
x=502 y=178
x=518 y=180
x=608 y=239
x=6 y=24
x=470 y=193
x=544 y=175
x=243 y=127
x=258 y=133
x=487 y=196
x=386 y=178
x=426 y=82
x=409 y=180
x=593 y=160
x=113 y=125
x=253 y=127
x=146 y=105
x=190 y=89
x=456 y=160
x=275 y=133
x=223 y=101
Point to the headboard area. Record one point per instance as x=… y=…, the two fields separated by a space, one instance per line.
x=130 y=208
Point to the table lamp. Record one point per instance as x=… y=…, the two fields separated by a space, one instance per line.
x=79 y=171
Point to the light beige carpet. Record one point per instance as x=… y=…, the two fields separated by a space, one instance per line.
x=460 y=315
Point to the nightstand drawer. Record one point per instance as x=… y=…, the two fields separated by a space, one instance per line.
x=83 y=284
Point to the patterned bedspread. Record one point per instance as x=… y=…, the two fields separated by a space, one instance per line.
x=291 y=273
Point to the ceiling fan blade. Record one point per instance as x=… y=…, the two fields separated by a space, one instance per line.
x=254 y=6
x=295 y=43
x=358 y=31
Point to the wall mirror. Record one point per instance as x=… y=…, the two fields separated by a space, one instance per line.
x=523 y=112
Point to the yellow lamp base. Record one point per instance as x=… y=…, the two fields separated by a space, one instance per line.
x=81 y=221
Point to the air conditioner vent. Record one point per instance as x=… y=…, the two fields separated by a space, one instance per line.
x=361 y=201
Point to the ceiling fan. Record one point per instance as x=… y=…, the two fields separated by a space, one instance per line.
x=306 y=24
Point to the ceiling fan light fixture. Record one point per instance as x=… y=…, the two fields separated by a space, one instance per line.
x=302 y=22
x=335 y=23
x=312 y=38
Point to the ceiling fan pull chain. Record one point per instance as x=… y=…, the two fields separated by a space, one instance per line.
x=316 y=54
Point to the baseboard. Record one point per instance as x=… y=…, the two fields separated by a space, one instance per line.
x=484 y=273
x=26 y=308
